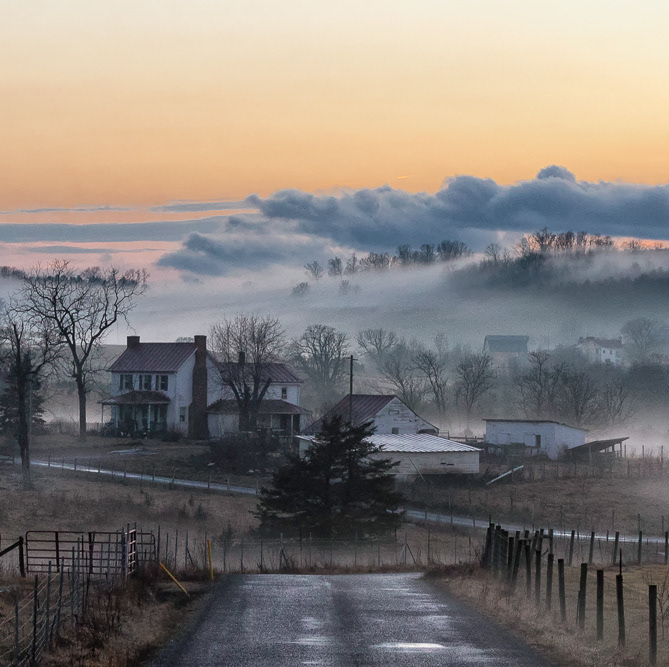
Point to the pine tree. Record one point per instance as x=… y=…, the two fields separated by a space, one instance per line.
x=10 y=419
x=337 y=489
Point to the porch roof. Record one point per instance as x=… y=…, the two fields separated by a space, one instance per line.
x=138 y=398
x=269 y=406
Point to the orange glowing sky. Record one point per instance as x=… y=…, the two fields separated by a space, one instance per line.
x=137 y=103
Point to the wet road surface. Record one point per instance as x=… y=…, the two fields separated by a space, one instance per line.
x=343 y=620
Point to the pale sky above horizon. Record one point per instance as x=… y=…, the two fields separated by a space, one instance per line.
x=139 y=103
x=111 y=111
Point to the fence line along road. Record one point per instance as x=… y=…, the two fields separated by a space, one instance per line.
x=413 y=514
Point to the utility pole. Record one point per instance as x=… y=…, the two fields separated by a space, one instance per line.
x=350 y=394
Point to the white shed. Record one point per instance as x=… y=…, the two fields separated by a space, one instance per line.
x=538 y=436
x=420 y=453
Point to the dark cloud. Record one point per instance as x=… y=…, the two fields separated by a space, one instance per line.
x=108 y=232
x=205 y=255
x=384 y=217
x=195 y=207
x=92 y=209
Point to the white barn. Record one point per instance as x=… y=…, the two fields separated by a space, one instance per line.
x=388 y=413
x=419 y=454
x=537 y=436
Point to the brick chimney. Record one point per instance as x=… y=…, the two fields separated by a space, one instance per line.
x=198 y=427
x=133 y=341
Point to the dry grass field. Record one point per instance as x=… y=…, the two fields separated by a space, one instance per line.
x=565 y=643
x=581 y=497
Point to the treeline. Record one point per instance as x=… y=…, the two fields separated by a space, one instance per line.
x=540 y=259
x=91 y=276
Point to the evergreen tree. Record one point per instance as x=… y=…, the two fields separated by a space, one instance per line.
x=336 y=489
x=12 y=376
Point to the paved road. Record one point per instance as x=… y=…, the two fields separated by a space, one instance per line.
x=343 y=620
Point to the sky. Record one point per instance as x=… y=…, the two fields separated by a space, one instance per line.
x=224 y=140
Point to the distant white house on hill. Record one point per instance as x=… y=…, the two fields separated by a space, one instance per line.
x=534 y=436
x=388 y=413
x=418 y=454
x=603 y=350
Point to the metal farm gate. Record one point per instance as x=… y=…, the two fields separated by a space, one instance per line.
x=101 y=554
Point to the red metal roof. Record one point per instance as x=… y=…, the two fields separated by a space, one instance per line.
x=153 y=358
x=365 y=408
x=270 y=406
x=280 y=373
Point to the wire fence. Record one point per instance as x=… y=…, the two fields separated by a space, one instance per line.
x=61 y=592
x=603 y=597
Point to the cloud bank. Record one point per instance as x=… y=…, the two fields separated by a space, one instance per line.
x=476 y=210
x=291 y=227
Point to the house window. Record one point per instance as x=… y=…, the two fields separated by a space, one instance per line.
x=182 y=415
x=284 y=393
x=161 y=382
x=126 y=382
x=537 y=441
x=395 y=430
x=146 y=382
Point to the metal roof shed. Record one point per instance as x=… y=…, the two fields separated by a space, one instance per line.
x=420 y=454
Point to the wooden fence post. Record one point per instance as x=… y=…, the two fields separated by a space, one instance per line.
x=537 y=578
x=621 y=610
x=652 y=623
x=600 y=605
x=528 y=569
x=638 y=553
x=592 y=547
x=509 y=559
x=22 y=566
x=615 y=548
x=516 y=563
x=549 y=580
x=581 y=596
x=666 y=547
x=561 y=591
x=571 y=547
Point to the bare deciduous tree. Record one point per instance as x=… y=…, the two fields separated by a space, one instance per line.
x=320 y=354
x=314 y=270
x=433 y=366
x=80 y=309
x=644 y=335
x=245 y=346
x=475 y=377
x=377 y=343
x=399 y=370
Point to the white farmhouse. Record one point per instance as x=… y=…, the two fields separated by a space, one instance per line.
x=418 y=454
x=388 y=413
x=602 y=350
x=163 y=386
x=279 y=410
x=535 y=436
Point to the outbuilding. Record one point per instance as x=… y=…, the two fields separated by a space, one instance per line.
x=419 y=454
x=534 y=436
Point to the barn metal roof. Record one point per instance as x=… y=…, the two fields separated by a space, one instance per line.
x=280 y=373
x=412 y=443
x=365 y=408
x=153 y=358
x=506 y=344
x=535 y=421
